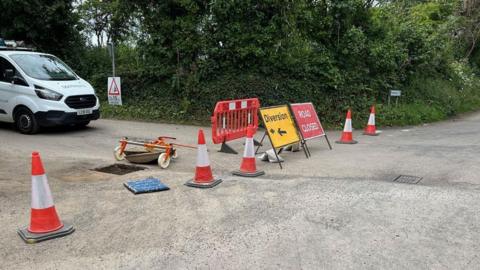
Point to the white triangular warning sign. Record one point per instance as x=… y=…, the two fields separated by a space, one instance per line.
x=113 y=90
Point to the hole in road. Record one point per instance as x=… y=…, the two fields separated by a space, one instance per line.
x=407 y=179
x=119 y=169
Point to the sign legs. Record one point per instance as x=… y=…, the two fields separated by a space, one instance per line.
x=276 y=155
x=305 y=149
x=260 y=144
x=328 y=141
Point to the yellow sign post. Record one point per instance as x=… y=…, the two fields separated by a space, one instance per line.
x=279 y=126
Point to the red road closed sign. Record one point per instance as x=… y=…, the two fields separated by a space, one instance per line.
x=307 y=120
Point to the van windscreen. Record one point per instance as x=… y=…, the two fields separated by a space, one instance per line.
x=44 y=67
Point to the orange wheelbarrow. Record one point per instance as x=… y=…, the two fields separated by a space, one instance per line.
x=160 y=149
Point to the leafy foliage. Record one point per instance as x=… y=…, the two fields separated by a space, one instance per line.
x=107 y=20
x=49 y=25
x=178 y=57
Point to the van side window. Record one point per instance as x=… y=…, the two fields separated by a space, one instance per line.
x=5 y=65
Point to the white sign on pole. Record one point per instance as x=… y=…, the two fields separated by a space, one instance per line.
x=395 y=93
x=114 y=91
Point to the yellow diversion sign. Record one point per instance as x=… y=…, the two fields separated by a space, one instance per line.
x=279 y=125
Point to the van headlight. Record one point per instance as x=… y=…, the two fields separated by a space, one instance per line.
x=47 y=93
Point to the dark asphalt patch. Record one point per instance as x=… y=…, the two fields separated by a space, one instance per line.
x=119 y=169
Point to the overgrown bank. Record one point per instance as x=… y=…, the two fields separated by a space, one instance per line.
x=336 y=55
x=447 y=99
x=177 y=58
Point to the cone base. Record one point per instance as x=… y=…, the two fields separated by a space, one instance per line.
x=248 y=174
x=371 y=134
x=192 y=183
x=31 y=238
x=347 y=142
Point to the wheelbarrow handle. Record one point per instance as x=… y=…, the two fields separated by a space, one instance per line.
x=167 y=137
x=146 y=144
x=184 y=145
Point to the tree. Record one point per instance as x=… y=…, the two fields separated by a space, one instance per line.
x=49 y=25
x=96 y=16
x=470 y=6
x=469 y=25
x=107 y=20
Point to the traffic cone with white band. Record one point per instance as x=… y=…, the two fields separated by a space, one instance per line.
x=248 y=167
x=44 y=221
x=347 y=135
x=371 y=130
x=203 y=173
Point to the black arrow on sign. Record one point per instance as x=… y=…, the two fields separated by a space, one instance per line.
x=281 y=132
x=272 y=131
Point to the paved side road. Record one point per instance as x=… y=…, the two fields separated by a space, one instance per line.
x=339 y=209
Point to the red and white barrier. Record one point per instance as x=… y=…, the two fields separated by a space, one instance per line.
x=230 y=120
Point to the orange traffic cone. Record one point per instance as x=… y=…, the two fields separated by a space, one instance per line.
x=203 y=172
x=347 y=136
x=248 y=167
x=371 y=130
x=44 y=221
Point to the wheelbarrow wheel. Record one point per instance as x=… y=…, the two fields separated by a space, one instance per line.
x=163 y=161
x=175 y=154
x=117 y=155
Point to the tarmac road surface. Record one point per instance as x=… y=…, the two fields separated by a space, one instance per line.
x=339 y=209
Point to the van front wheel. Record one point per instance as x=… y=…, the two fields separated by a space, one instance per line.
x=25 y=121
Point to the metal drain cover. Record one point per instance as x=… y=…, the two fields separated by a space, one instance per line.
x=407 y=179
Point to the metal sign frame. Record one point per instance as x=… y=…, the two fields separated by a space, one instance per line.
x=303 y=141
x=273 y=147
x=268 y=134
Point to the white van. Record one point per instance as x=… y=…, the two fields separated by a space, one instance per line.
x=39 y=90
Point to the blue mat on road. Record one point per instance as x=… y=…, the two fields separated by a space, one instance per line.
x=145 y=185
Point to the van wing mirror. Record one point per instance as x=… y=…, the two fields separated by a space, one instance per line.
x=19 y=81
x=11 y=77
x=9 y=74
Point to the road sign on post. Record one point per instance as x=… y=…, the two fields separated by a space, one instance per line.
x=280 y=128
x=394 y=93
x=111 y=51
x=114 y=91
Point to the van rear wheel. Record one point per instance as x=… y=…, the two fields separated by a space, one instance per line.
x=25 y=121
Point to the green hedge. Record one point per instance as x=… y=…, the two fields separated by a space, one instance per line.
x=336 y=54
x=425 y=100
